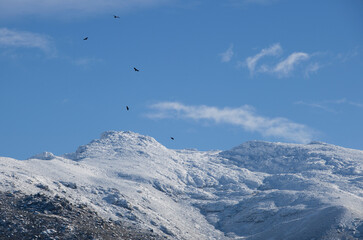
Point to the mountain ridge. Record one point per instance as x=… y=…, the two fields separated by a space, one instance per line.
x=253 y=191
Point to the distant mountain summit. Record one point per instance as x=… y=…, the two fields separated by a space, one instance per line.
x=44 y=156
x=257 y=190
x=113 y=143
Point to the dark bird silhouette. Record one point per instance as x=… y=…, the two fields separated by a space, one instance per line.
x=136 y=70
x=171 y=138
x=114 y=16
x=127 y=108
x=85 y=38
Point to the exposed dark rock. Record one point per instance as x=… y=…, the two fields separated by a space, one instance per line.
x=42 y=217
x=69 y=184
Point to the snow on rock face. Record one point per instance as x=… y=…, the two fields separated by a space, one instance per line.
x=303 y=196
x=258 y=190
x=292 y=158
x=44 y=156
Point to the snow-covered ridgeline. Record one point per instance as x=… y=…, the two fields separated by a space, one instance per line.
x=253 y=191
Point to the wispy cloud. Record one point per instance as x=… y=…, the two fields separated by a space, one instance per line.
x=70 y=7
x=244 y=116
x=329 y=105
x=227 y=55
x=345 y=101
x=316 y=105
x=312 y=68
x=15 y=39
x=286 y=66
x=344 y=57
x=274 y=50
x=281 y=68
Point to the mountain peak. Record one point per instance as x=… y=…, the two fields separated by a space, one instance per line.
x=112 y=134
x=121 y=137
x=43 y=156
x=113 y=143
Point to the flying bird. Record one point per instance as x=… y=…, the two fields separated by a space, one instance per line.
x=171 y=138
x=114 y=16
x=85 y=38
x=136 y=70
x=127 y=108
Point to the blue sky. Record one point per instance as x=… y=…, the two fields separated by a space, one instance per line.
x=213 y=74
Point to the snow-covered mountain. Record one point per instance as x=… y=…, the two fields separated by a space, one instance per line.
x=258 y=190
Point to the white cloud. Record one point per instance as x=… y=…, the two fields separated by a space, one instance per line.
x=316 y=105
x=312 y=68
x=329 y=105
x=227 y=55
x=70 y=7
x=286 y=66
x=244 y=117
x=281 y=68
x=344 y=57
x=12 y=38
x=360 y=105
x=274 y=50
x=345 y=101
